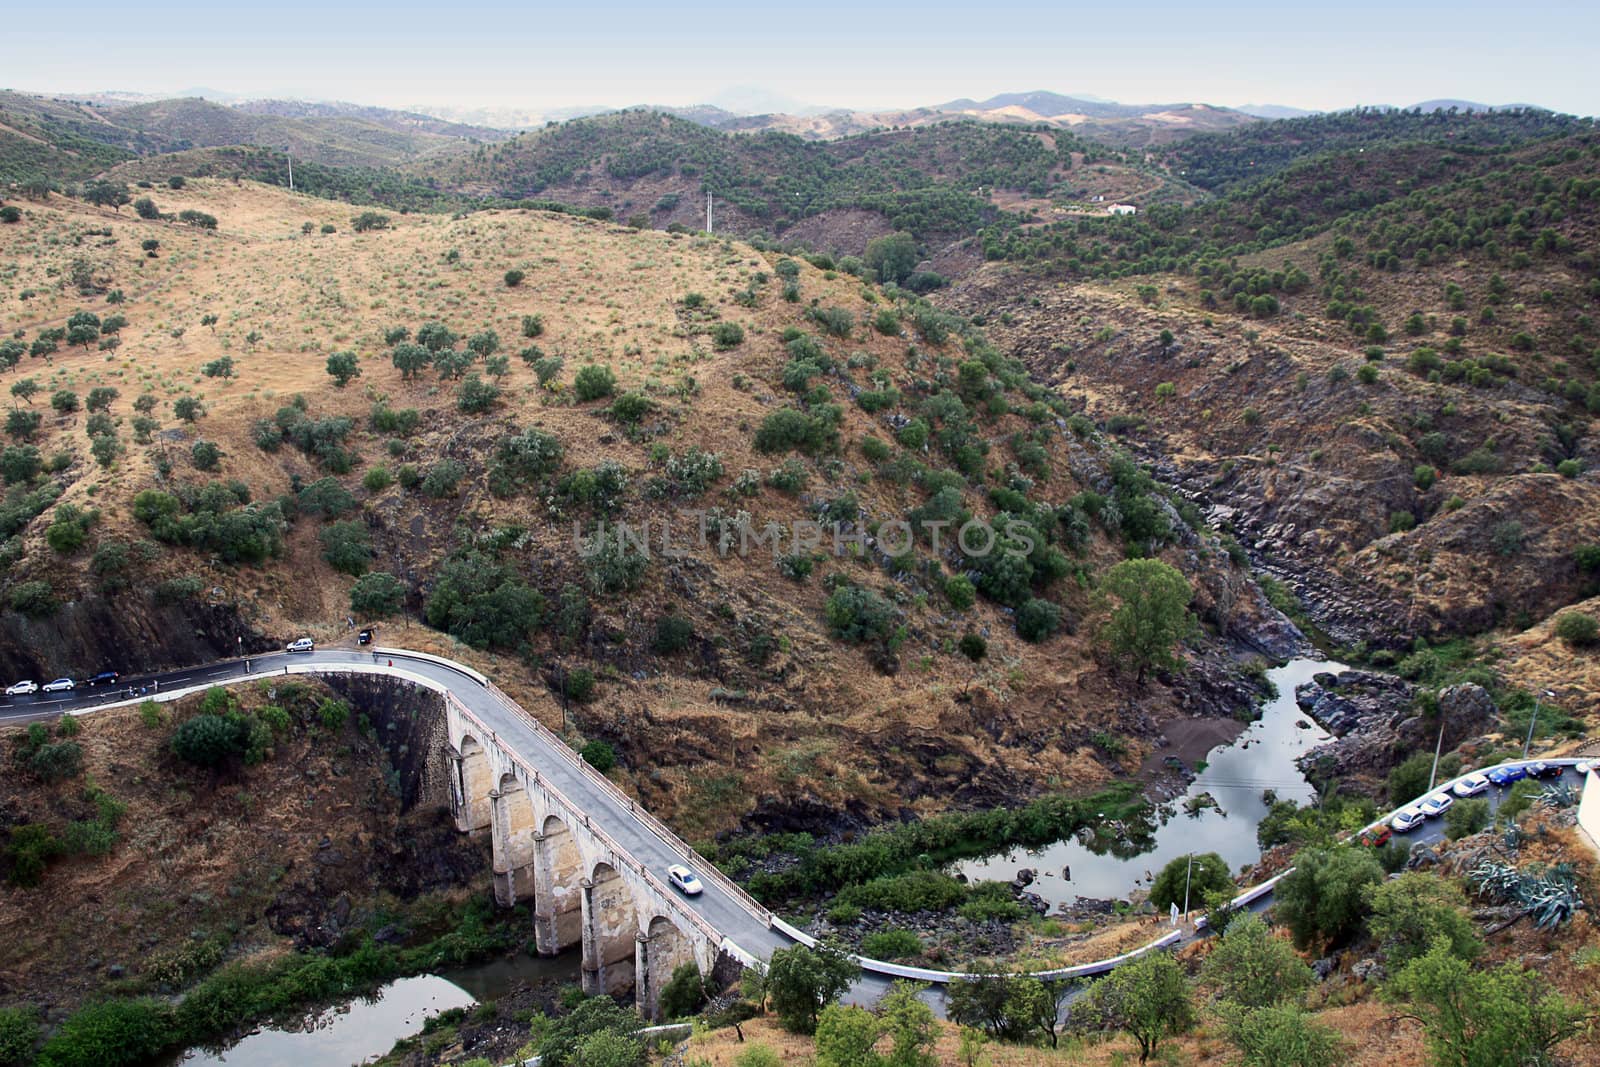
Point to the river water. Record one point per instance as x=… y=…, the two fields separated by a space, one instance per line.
x=1261 y=758
x=369 y=1026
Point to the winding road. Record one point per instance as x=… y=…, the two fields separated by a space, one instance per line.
x=748 y=929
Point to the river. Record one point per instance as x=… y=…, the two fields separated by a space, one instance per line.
x=368 y=1027
x=1260 y=758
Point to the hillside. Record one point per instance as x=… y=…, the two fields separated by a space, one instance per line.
x=62 y=140
x=1396 y=415
x=217 y=468
x=942 y=183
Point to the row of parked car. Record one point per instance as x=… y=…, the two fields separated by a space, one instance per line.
x=1434 y=805
x=27 y=687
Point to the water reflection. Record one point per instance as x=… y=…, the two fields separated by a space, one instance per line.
x=368 y=1027
x=1235 y=775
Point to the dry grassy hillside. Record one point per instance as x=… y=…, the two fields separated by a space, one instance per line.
x=742 y=698
x=1395 y=501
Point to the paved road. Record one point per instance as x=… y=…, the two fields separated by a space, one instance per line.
x=728 y=916
x=734 y=920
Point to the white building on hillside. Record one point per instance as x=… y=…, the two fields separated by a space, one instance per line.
x=1122 y=209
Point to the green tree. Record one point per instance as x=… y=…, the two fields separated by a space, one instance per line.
x=410 y=359
x=1323 y=900
x=1472 y=1017
x=1252 y=968
x=342 y=367
x=377 y=595
x=563 y=1043
x=1207 y=872
x=107 y=194
x=19 y=1032
x=209 y=740
x=802 y=981
x=1283 y=1037
x=1148 y=999
x=347 y=547
x=893 y=256
x=846 y=1036
x=188 y=408
x=1152 y=613
x=1408 y=780
x=1416 y=911
x=1577 y=629
x=685 y=992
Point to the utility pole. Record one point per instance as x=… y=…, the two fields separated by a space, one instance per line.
x=1548 y=694
x=708 y=210
x=1187 y=875
x=290 y=155
x=1437 y=747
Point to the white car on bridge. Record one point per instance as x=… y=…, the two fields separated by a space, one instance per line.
x=685 y=879
x=1471 y=786
x=22 y=689
x=301 y=644
x=60 y=685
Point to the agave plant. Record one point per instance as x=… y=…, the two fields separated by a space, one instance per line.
x=1559 y=795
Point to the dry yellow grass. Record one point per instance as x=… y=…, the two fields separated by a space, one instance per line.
x=606 y=295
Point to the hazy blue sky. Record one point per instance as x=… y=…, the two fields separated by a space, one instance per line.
x=535 y=55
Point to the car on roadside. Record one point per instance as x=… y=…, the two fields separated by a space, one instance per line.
x=1507 y=775
x=22 y=689
x=1470 y=786
x=1541 y=769
x=685 y=880
x=1583 y=767
x=60 y=685
x=1377 y=837
x=1435 y=804
x=301 y=644
x=1407 y=819
x=104 y=678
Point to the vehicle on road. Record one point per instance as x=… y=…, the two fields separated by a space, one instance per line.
x=60 y=685
x=1435 y=804
x=1504 y=776
x=1541 y=769
x=1377 y=837
x=1407 y=819
x=105 y=678
x=1585 y=766
x=687 y=882
x=21 y=689
x=1470 y=786
x=301 y=644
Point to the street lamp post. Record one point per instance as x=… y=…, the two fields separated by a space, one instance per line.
x=1548 y=694
x=1188 y=874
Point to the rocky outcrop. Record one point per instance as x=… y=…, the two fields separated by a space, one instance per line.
x=1377 y=724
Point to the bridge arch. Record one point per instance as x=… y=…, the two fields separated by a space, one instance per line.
x=471 y=784
x=663 y=948
x=559 y=870
x=610 y=931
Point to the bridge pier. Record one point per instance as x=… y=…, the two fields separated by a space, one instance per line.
x=471 y=782
x=557 y=899
x=593 y=978
x=646 y=996
x=512 y=828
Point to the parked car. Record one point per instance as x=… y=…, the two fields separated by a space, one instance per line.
x=1377 y=837
x=1585 y=766
x=1541 y=769
x=685 y=879
x=1435 y=804
x=301 y=644
x=1407 y=819
x=105 y=678
x=21 y=689
x=60 y=685
x=1470 y=786
x=1508 y=775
